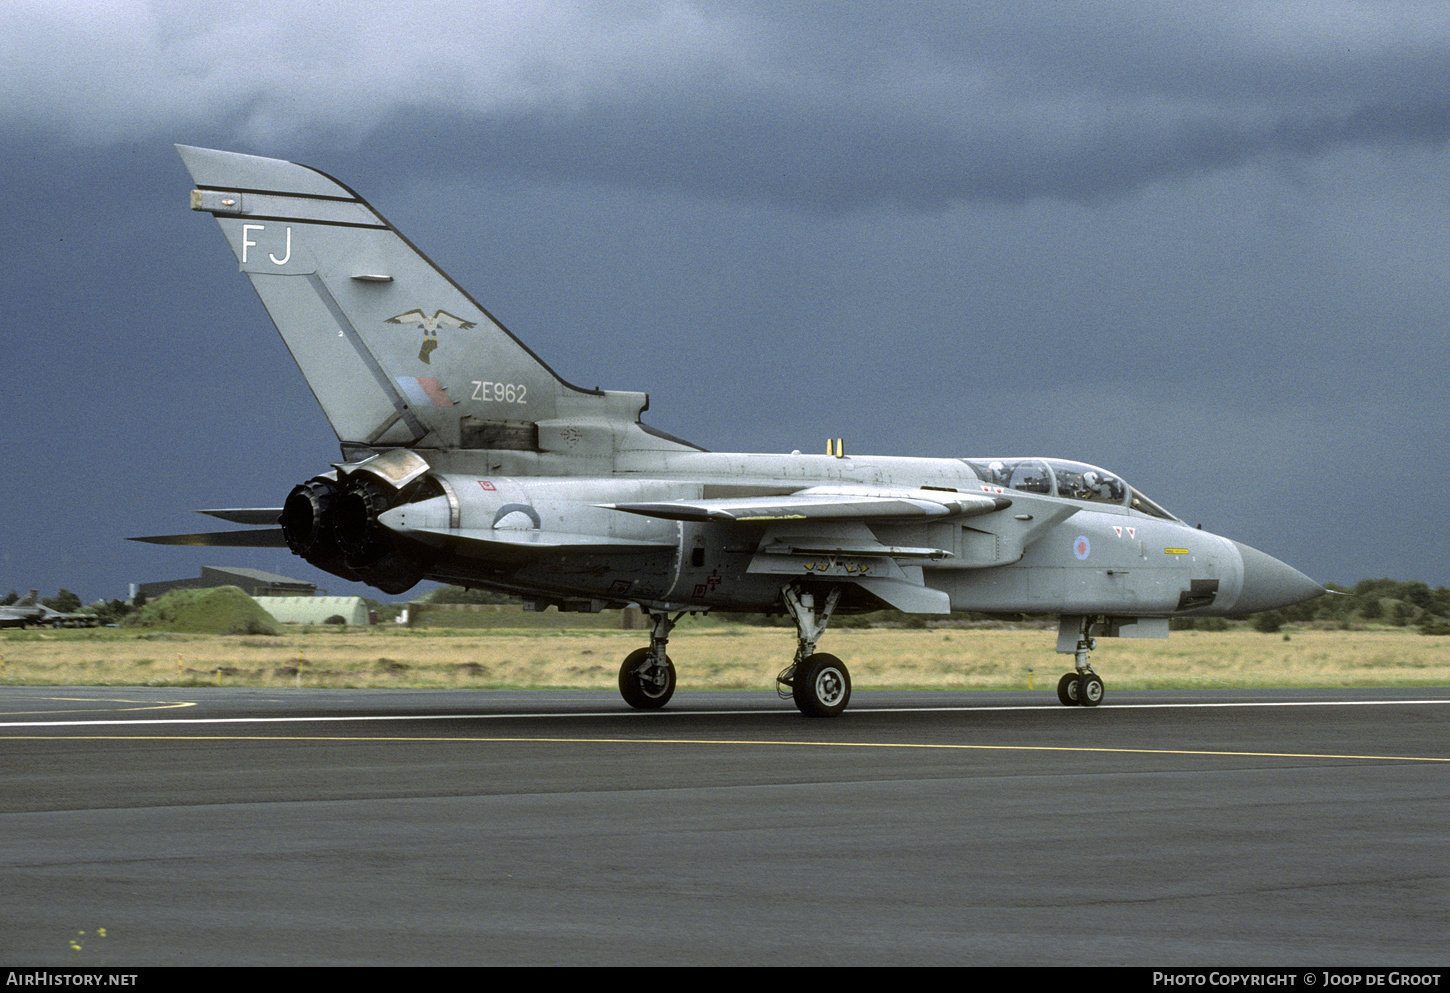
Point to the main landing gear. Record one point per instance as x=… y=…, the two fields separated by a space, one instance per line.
x=1083 y=687
x=819 y=683
x=647 y=677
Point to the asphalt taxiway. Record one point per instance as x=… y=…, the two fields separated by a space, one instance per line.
x=236 y=826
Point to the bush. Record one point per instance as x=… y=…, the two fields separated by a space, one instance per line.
x=1269 y=622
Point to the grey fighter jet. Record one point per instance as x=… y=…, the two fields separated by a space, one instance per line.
x=24 y=612
x=28 y=610
x=467 y=460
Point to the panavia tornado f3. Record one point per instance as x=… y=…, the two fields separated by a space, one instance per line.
x=466 y=460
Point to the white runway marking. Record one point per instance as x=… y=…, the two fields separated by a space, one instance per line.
x=638 y=715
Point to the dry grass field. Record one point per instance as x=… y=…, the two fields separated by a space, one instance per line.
x=714 y=656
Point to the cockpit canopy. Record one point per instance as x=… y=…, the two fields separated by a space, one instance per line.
x=1073 y=480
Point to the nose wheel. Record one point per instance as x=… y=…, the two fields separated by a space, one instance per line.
x=1067 y=690
x=1080 y=689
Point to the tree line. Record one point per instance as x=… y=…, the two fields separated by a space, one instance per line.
x=1374 y=602
x=1388 y=602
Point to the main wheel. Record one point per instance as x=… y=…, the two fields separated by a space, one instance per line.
x=645 y=686
x=1067 y=690
x=1090 y=690
x=822 y=686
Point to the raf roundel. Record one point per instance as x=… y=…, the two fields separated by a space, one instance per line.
x=1081 y=547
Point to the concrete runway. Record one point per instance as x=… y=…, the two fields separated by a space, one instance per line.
x=267 y=827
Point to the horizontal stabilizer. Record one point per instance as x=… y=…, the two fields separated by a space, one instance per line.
x=270 y=538
x=824 y=502
x=247 y=515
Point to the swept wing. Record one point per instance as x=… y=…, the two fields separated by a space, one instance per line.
x=824 y=503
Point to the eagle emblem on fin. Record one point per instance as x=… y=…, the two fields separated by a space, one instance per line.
x=430 y=326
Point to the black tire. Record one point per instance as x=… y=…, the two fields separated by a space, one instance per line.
x=1090 y=690
x=641 y=688
x=1067 y=690
x=821 y=686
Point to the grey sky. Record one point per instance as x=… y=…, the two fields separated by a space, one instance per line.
x=1202 y=245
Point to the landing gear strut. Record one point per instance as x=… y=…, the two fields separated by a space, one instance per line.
x=647 y=677
x=1083 y=687
x=819 y=683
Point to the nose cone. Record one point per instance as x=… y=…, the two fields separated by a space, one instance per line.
x=1270 y=584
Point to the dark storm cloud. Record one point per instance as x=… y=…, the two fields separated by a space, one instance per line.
x=829 y=105
x=835 y=158
x=941 y=109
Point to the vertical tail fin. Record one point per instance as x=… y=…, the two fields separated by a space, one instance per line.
x=395 y=352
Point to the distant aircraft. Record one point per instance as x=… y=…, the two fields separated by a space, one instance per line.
x=468 y=461
x=28 y=611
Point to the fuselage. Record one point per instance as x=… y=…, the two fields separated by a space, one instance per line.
x=1070 y=538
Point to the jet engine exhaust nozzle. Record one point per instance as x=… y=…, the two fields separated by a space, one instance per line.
x=306 y=519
